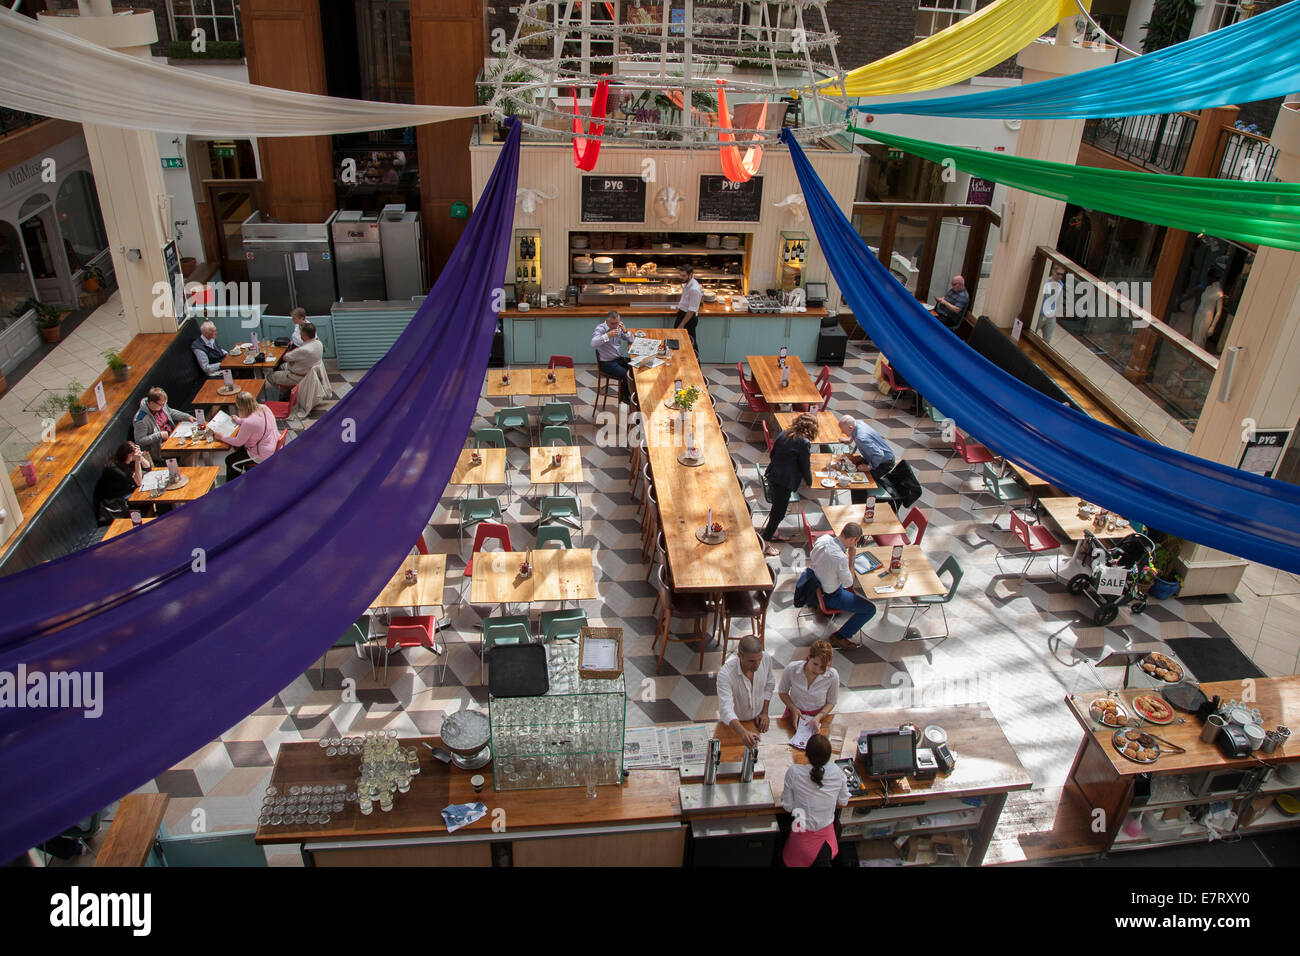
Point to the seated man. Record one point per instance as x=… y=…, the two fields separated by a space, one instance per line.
x=299 y=317
x=207 y=352
x=745 y=685
x=299 y=362
x=831 y=563
x=873 y=450
x=952 y=307
x=155 y=421
x=608 y=341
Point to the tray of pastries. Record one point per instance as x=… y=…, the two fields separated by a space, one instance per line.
x=1163 y=667
x=1136 y=746
x=1108 y=711
x=1152 y=708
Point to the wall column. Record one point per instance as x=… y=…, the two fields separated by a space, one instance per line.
x=1029 y=221
x=13 y=512
x=128 y=178
x=1266 y=379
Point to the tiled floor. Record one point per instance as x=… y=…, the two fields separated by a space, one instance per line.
x=999 y=650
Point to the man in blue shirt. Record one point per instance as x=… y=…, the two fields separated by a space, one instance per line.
x=952 y=307
x=608 y=341
x=872 y=449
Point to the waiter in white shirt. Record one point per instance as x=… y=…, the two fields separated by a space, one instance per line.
x=745 y=685
x=688 y=307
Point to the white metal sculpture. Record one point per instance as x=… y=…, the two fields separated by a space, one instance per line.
x=793 y=204
x=668 y=205
x=529 y=199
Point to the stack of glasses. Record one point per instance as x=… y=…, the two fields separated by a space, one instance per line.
x=304 y=804
x=385 y=768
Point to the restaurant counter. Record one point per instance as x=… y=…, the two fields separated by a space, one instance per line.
x=532 y=337
x=1165 y=793
x=641 y=820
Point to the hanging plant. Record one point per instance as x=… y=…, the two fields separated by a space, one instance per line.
x=1170 y=23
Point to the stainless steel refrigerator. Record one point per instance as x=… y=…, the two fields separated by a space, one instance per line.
x=358 y=259
x=292 y=262
x=402 y=243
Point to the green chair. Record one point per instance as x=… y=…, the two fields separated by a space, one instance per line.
x=952 y=570
x=564 y=508
x=489 y=438
x=561 y=433
x=549 y=533
x=502 y=629
x=356 y=635
x=1004 y=488
x=474 y=510
x=224 y=848
x=561 y=625
x=556 y=413
x=515 y=416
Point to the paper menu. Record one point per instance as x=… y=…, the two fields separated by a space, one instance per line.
x=184 y=430
x=807 y=727
x=599 y=654
x=154 y=480
x=222 y=424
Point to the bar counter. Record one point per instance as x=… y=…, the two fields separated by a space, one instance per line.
x=641 y=820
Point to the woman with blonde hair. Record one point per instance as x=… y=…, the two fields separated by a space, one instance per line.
x=811 y=686
x=255 y=438
x=791 y=465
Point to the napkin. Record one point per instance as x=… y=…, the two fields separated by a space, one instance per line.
x=457 y=815
x=184 y=430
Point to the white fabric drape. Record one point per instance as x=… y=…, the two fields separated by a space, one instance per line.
x=51 y=73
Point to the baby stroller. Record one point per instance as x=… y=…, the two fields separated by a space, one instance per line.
x=1133 y=554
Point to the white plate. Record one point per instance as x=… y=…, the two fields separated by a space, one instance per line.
x=638 y=334
x=828 y=482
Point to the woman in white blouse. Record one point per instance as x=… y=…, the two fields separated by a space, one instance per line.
x=811 y=793
x=811 y=687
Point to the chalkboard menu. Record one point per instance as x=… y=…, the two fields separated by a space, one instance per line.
x=613 y=199
x=721 y=200
x=175 y=278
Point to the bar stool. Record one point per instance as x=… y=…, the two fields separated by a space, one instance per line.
x=604 y=382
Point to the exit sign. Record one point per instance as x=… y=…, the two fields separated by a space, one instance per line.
x=225 y=152
x=172 y=162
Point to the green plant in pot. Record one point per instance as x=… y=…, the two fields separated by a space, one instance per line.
x=70 y=402
x=115 y=364
x=48 y=320
x=1161 y=577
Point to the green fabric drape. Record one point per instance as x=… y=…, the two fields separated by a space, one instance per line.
x=1264 y=213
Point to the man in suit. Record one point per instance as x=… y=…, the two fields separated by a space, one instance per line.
x=299 y=362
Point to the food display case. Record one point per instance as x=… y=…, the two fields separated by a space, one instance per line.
x=568 y=737
x=644 y=269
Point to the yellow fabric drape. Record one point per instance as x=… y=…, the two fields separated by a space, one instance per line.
x=967 y=48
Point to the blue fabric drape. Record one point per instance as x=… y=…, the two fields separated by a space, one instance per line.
x=290 y=555
x=1196 y=499
x=1255 y=59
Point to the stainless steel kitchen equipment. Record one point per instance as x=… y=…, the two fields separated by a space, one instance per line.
x=359 y=261
x=402 y=243
x=292 y=262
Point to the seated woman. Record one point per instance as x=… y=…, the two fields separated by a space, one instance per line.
x=155 y=421
x=812 y=794
x=123 y=474
x=255 y=438
x=811 y=687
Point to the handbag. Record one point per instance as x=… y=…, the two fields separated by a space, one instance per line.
x=902 y=485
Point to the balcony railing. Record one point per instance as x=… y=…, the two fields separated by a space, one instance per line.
x=11 y=120
x=1153 y=142
x=1244 y=156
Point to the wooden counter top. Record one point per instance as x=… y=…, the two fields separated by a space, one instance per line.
x=630 y=313
x=1278 y=700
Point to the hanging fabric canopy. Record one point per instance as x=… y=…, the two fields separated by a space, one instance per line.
x=1263 y=213
x=52 y=73
x=1199 y=500
x=205 y=614
x=970 y=46
x=587 y=151
x=737 y=168
x=1251 y=60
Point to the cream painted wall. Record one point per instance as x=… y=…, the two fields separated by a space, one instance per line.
x=550 y=168
x=13 y=512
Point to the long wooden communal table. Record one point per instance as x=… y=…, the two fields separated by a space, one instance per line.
x=687 y=493
x=1105 y=779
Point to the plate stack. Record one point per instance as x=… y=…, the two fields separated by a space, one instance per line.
x=603 y=264
x=579 y=241
x=712 y=241
x=731 y=242
x=582 y=264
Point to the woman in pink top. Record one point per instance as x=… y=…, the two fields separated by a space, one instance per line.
x=255 y=438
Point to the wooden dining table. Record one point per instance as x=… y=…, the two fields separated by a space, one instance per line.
x=425 y=591
x=174 y=447
x=821 y=464
x=767 y=375
x=491 y=469
x=119 y=526
x=884 y=521
x=1065 y=513
x=919 y=579
x=209 y=394
x=544 y=471
x=242 y=369
x=828 y=427
x=686 y=493
x=201 y=480
x=557 y=574
x=530 y=381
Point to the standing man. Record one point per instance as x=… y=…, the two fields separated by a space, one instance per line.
x=608 y=341
x=688 y=307
x=207 y=352
x=745 y=686
x=299 y=362
x=1053 y=297
x=831 y=563
x=952 y=307
x=873 y=450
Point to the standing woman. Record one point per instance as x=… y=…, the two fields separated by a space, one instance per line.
x=791 y=464
x=810 y=687
x=255 y=438
x=811 y=795
x=1210 y=308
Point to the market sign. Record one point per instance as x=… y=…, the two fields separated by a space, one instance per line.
x=613 y=199
x=721 y=200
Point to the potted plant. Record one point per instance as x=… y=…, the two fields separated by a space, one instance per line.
x=92 y=278
x=70 y=402
x=1162 y=580
x=115 y=364
x=48 y=320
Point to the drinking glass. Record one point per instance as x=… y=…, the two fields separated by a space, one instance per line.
x=263 y=820
x=386 y=800
x=364 y=804
x=589 y=770
x=276 y=820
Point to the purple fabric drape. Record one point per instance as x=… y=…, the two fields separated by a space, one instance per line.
x=204 y=615
x=1202 y=501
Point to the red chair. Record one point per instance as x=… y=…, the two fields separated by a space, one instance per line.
x=421 y=546
x=1036 y=539
x=282 y=410
x=897 y=387
x=823 y=379
x=767 y=437
x=973 y=453
x=746 y=382
x=561 y=361
x=284 y=437
x=826 y=390
x=485 y=531
x=411 y=632
x=917 y=519
x=809 y=534
x=820 y=608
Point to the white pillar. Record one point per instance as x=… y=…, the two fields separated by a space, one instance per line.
x=1135 y=30
x=1029 y=221
x=128 y=178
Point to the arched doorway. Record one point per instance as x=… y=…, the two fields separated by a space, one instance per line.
x=46 y=261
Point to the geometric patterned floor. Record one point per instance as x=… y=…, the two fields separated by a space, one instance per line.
x=1011 y=639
